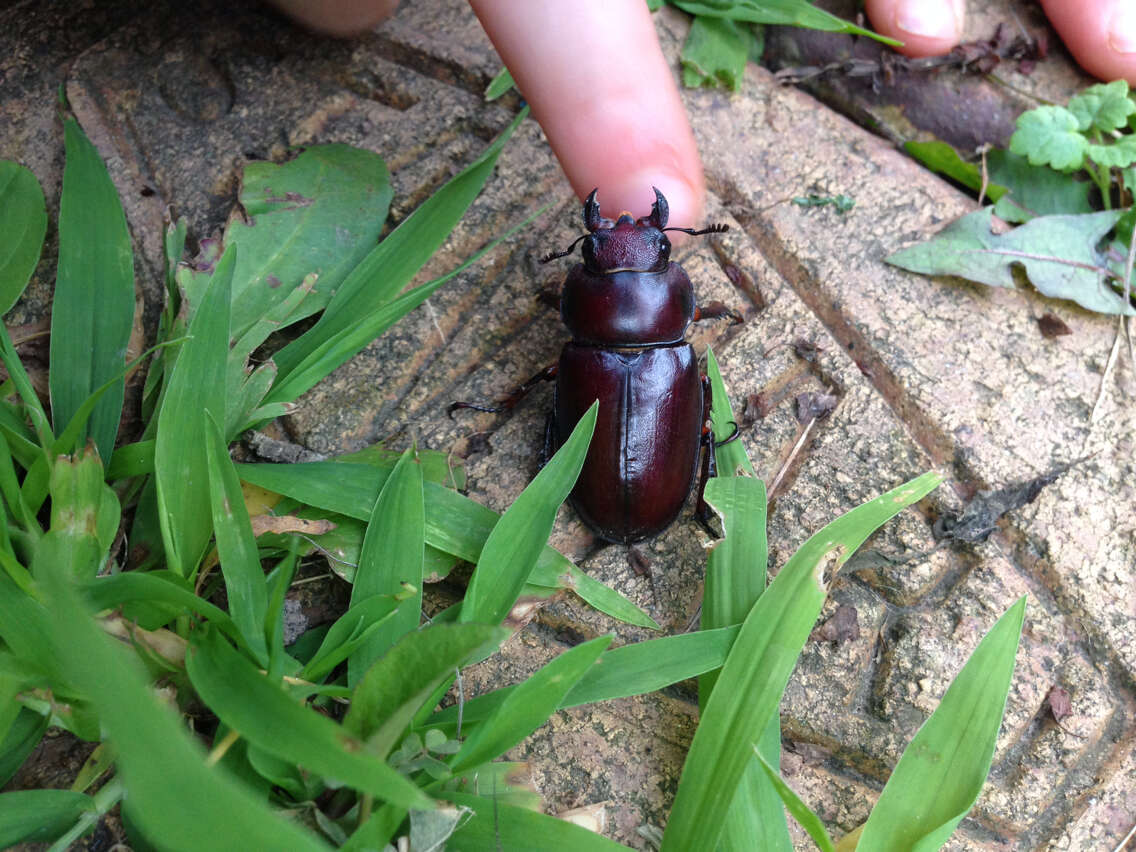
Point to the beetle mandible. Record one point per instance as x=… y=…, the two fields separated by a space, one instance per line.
x=627 y=307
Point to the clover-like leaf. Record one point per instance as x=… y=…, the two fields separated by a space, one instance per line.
x=1105 y=106
x=1121 y=154
x=1049 y=136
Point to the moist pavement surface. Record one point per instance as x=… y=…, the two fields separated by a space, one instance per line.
x=925 y=374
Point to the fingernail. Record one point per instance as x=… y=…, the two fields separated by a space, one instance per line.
x=930 y=18
x=685 y=206
x=1122 y=28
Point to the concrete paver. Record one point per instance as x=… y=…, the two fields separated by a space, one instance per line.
x=927 y=373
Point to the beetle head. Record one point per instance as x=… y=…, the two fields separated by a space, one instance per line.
x=627 y=244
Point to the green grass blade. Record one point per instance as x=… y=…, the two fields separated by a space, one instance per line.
x=196 y=388
x=735 y=579
x=392 y=554
x=394 y=689
x=246 y=701
x=342 y=345
x=153 y=746
x=801 y=812
x=454 y=523
x=735 y=573
x=528 y=706
x=390 y=266
x=942 y=770
x=759 y=665
x=236 y=545
x=496 y=825
x=23 y=223
x=319 y=213
x=629 y=670
x=19 y=377
x=116 y=589
x=24 y=734
x=793 y=13
x=93 y=307
x=39 y=816
x=730 y=457
x=349 y=631
x=135 y=459
x=517 y=540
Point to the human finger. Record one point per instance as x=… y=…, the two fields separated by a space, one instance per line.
x=599 y=86
x=926 y=27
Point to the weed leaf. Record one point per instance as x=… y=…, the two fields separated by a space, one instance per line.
x=93 y=307
x=942 y=770
x=1059 y=254
x=23 y=223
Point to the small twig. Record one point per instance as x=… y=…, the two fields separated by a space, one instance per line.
x=219 y=750
x=304 y=580
x=461 y=699
x=1107 y=370
x=796 y=449
x=1124 y=842
x=434 y=319
x=985 y=174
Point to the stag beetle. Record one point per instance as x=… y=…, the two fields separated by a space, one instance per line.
x=628 y=307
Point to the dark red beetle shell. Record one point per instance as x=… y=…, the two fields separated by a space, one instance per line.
x=628 y=307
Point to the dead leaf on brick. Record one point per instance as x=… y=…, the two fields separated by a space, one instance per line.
x=1052 y=326
x=262 y=524
x=842 y=626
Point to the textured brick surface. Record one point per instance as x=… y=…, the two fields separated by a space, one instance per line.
x=927 y=373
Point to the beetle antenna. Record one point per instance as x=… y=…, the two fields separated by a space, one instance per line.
x=557 y=254
x=719 y=228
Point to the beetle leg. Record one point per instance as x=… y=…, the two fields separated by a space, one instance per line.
x=514 y=397
x=715 y=310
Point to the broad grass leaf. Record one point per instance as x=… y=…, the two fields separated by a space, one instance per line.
x=761 y=660
x=793 y=13
x=334 y=347
x=247 y=701
x=731 y=457
x=320 y=214
x=633 y=669
x=517 y=540
x=454 y=523
x=154 y=746
x=390 y=266
x=528 y=706
x=735 y=579
x=24 y=734
x=1059 y=254
x=392 y=554
x=801 y=812
x=39 y=816
x=350 y=630
x=157 y=587
x=499 y=85
x=236 y=547
x=93 y=307
x=496 y=825
x=942 y=770
x=23 y=223
x=394 y=688
x=196 y=389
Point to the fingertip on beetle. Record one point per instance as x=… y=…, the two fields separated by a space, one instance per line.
x=636 y=192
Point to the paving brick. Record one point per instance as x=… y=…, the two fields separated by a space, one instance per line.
x=927 y=373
